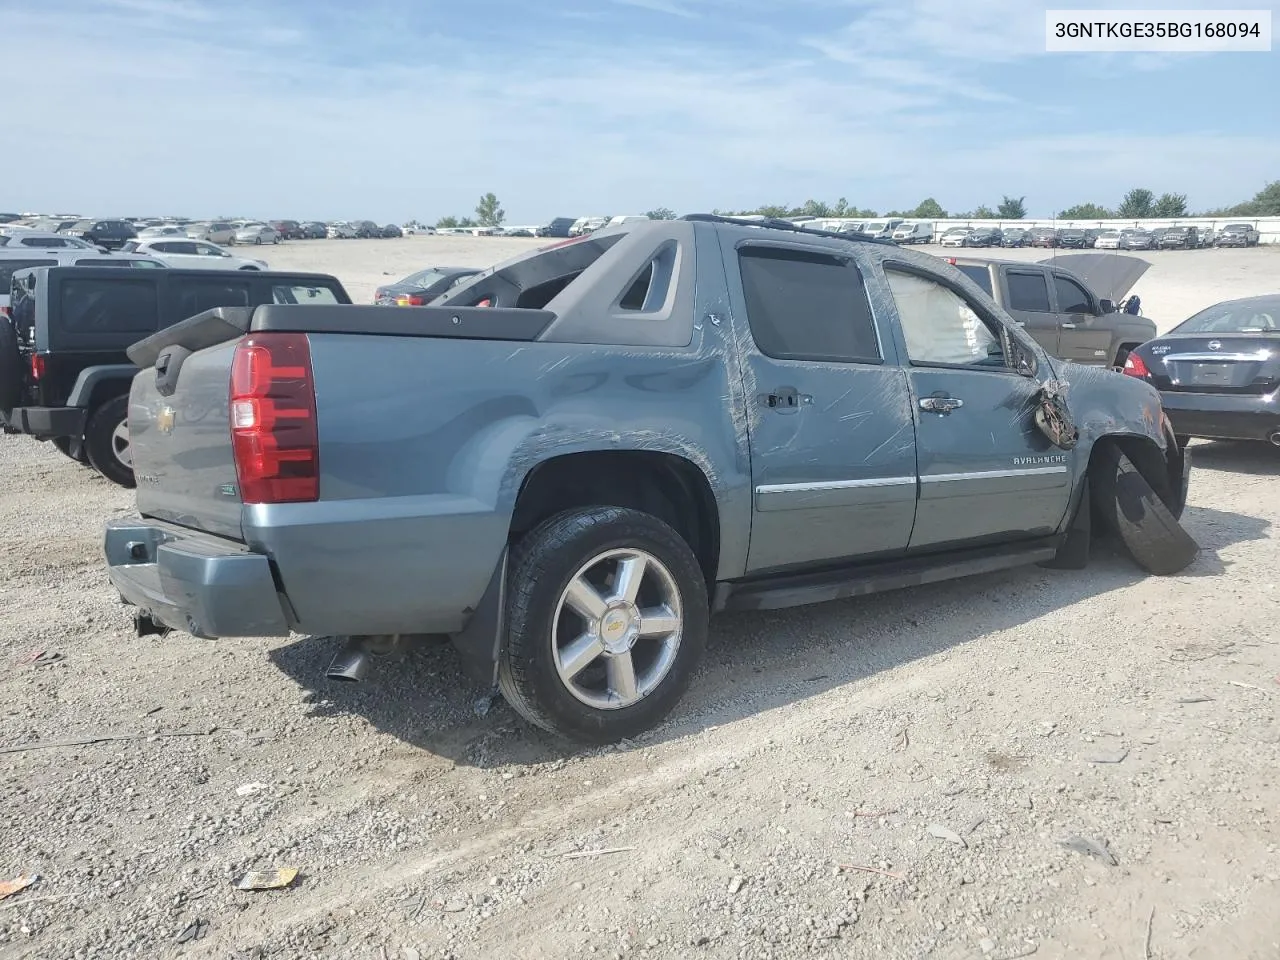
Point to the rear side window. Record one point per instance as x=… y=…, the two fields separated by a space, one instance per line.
x=302 y=293
x=807 y=306
x=196 y=296
x=1028 y=291
x=9 y=266
x=109 y=306
x=978 y=274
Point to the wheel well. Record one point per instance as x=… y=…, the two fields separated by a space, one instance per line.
x=1151 y=461
x=1124 y=350
x=663 y=485
x=105 y=390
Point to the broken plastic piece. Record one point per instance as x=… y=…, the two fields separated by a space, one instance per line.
x=267 y=879
x=9 y=887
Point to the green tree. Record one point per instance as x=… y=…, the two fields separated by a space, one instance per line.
x=1137 y=203
x=661 y=213
x=488 y=212
x=841 y=209
x=445 y=223
x=815 y=208
x=984 y=213
x=929 y=208
x=773 y=210
x=1012 y=208
x=1170 y=205
x=1265 y=203
x=1085 y=211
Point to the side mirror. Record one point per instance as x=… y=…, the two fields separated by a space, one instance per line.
x=1107 y=306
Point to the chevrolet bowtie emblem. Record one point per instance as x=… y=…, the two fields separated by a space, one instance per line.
x=166 y=419
x=1215 y=344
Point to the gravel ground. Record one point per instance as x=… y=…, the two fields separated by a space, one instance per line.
x=1035 y=763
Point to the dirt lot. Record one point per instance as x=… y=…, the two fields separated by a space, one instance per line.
x=1037 y=763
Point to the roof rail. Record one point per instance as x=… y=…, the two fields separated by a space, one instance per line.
x=773 y=223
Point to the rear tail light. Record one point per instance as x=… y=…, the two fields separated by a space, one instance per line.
x=274 y=437
x=409 y=300
x=1135 y=367
x=951 y=260
x=37 y=366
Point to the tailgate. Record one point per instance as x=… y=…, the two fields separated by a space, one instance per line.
x=179 y=424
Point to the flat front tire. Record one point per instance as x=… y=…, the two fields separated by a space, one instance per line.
x=106 y=441
x=1134 y=512
x=607 y=620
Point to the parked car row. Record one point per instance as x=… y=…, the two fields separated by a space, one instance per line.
x=1160 y=238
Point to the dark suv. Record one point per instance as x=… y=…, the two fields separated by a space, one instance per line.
x=559 y=227
x=1180 y=238
x=111 y=234
x=1072 y=238
x=64 y=373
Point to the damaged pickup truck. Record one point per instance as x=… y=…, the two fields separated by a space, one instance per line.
x=569 y=462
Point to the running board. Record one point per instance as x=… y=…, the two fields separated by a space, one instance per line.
x=797 y=590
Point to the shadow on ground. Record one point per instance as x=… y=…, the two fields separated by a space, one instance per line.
x=1235 y=456
x=754 y=661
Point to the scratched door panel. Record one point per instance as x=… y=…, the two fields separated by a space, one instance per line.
x=986 y=470
x=828 y=411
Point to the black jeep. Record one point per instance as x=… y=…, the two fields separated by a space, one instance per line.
x=64 y=374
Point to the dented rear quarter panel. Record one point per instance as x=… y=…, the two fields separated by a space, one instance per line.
x=424 y=453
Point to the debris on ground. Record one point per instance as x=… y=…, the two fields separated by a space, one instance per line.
x=1109 y=756
x=9 y=887
x=249 y=789
x=1091 y=848
x=195 y=930
x=267 y=879
x=945 y=833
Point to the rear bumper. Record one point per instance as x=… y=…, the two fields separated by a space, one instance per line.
x=46 y=422
x=195 y=582
x=1223 y=417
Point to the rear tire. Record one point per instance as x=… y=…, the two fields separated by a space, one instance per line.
x=618 y=672
x=106 y=441
x=1132 y=509
x=63 y=446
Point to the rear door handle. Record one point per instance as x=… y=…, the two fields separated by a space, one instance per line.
x=1068 y=326
x=940 y=404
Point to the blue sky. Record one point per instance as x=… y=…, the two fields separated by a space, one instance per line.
x=392 y=109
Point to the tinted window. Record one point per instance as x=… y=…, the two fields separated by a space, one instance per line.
x=939 y=325
x=197 y=295
x=806 y=306
x=979 y=275
x=109 y=306
x=10 y=264
x=302 y=293
x=102 y=262
x=1072 y=297
x=44 y=242
x=1028 y=291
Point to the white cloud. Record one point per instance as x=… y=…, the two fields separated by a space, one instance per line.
x=203 y=108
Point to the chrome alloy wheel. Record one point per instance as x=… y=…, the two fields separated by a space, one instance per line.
x=120 y=445
x=617 y=629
